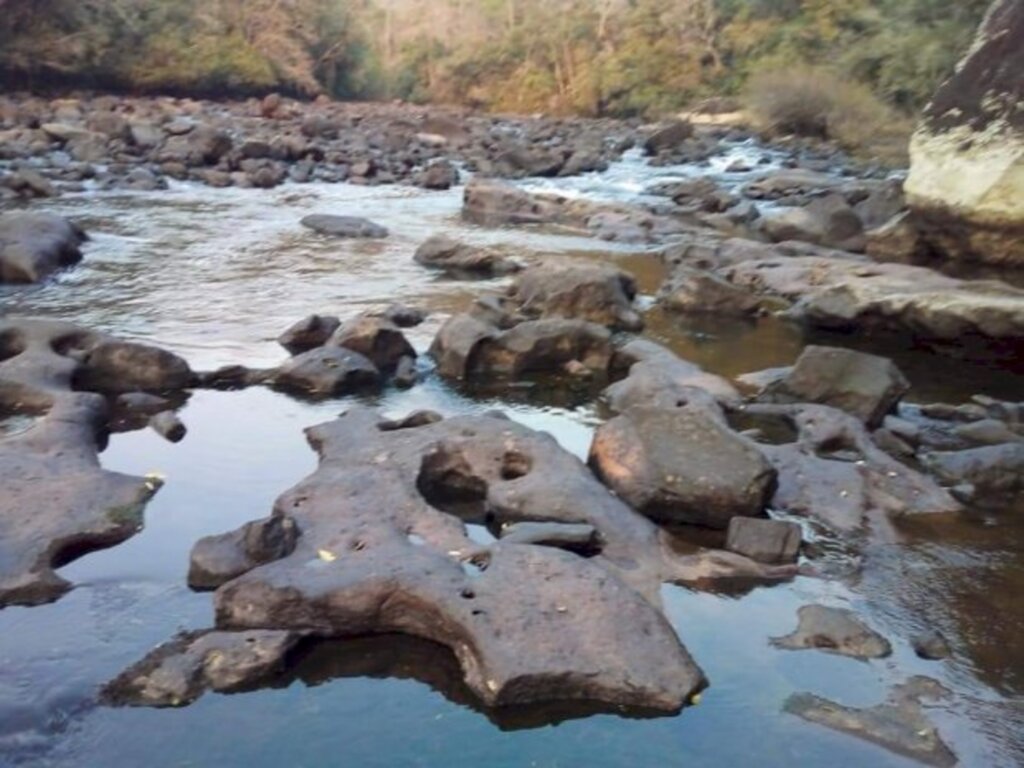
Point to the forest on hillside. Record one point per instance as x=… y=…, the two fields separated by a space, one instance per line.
x=590 y=57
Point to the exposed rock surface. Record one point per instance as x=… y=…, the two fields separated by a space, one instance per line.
x=587 y=291
x=866 y=386
x=326 y=372
x=658 y=377
x=834 y=630
x=58 y=502
x=467 y=348
x=682 y=465
x=309 y=333
x=898 y=724
x=215 y=560
x=376 y=338
x=35 y=245
x=832 y=471
x=966 y=183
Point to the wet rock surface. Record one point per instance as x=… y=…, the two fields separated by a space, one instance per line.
x=344 y=226
x=58 y=502
x=834 y=630
x=35 y=245
x=767 y=541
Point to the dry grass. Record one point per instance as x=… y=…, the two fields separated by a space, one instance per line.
x=818 y=104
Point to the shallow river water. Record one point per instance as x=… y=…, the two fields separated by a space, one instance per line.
x=216 y=275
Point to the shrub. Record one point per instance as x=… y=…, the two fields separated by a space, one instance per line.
x=816 y=103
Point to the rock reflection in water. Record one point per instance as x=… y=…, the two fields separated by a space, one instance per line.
x=402 y=657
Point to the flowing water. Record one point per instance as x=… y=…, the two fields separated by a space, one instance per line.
x=216 y=275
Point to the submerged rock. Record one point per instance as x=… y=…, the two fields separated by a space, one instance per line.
x=35 y=245
x=344 y=226
x=682 y=465
x=834 y=630
x=180 y=671
x=58 y=503
x=966 y=182
x=898 y=724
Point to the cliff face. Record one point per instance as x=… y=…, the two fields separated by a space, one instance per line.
x=966 y=183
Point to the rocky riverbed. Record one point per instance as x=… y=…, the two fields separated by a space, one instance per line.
x=648 y=431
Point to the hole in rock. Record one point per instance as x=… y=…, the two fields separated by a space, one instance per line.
x=769 y=428
x=74 y=345
x=447 y=482
x=515 y=464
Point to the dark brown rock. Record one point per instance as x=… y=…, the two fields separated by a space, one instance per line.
x=593 y=292
x=766 y=541
x=216 y=560
x=309 y=333
x=682 y=465
x=445 y=253
x=376 y=338
x=326 y=372
x=863 y=385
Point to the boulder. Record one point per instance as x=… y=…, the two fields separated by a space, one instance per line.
x=866 y=386
x=468 y=348
x=344 y=226
x=682 y=465
x=827 y=221
x=440 y=174
x=326 y=372
x=966 y=181
x=767 y=541
x=445 y=253
x=586 y=291
x=692 y=291
x=834 y=630
x=112 y=367
x=216 y=560
x=668 y=137
x=201 y=145
x=35 y=245
x=376 y=338
x=309 y=333
x=995 y=472
x=931 y=645
x=492 y=202
x=575 y=537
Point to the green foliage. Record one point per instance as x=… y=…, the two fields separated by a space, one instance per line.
x=619 y=57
